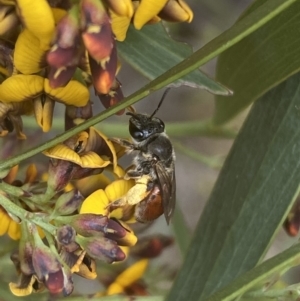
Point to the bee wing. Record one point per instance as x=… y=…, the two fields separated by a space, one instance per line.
x=167 y=185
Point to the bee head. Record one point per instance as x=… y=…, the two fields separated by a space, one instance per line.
x=142 y=126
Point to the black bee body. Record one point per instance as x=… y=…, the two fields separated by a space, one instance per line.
x=154 y=169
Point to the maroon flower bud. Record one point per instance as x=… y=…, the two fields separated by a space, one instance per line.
x=114 y=96
x=292 y=222
x=150 y=247
x=119 y=233
x=67 y=49
x=75 y=115
x=68 y=202
x=66 y=234
x=48 y=269
x=61 y=172
x=59 y=77
x=101 y=248
x=104 y=71
x=87 y=224
x=26 y=251
x=97 y=33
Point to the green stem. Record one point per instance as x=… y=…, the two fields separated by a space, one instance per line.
x=25 y=215
x=13 y=190
x=278 y=264
x=174 y=129
x=116 y=298
x=291 y=292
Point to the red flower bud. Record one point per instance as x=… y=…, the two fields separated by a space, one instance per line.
x=97 y=33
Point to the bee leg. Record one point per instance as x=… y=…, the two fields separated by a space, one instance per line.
x=134 y=195
x=123 y=142
x=133 y=174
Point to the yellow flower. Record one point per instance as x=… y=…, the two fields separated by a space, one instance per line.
x=28 y=56
x=177 y=11
x=20 y=87
x=99 y=200
x=128 y=277
x=37 y=17
x=147 y=10
x=122 y=8
x=84 y=154
x=10 y=117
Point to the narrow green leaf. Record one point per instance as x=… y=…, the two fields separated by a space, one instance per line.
x=256 y=187
x=152 y=52
x=276 y=265
x=250 y=23
x=258 y=63
x=181 y=230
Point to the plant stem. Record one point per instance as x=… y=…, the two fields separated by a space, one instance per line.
x=24 y=214
x=174 y=129
x=292 y=292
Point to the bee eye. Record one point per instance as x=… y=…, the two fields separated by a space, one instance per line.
x=137 y=135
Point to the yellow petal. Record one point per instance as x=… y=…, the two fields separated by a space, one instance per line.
x=119 y=171
x=38 y=18
x=177 y=11
x=118 y=188
x=58 y=14
x=4 y=71
x=119 y=25
x=94 y=133
x=4 y=221
x=88 y=185
x=114 y=289
x=14 y=230
x=146 y=11
x=96 y=203
x=22 y=291
x=21 y=87
x=11 y=176
x=132 y=274
x=74 y=93
x=43 y=111
x=28 y=55
x=88 y=272
x=63 y=152
x=31 y=173
x=121 y=7
x=92 y=160
x=129 y=239
x=8 y=22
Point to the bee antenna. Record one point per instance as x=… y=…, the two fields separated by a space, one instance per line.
x=161 y=101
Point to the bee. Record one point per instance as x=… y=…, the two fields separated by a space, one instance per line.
x=154 y=192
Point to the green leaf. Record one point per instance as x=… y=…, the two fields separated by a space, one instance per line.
x=257 y=184
x=258 y=63
x=250 y=23
x=181 y=230
x=276 y=265
x=152 y=52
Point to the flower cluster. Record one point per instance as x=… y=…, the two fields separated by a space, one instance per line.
x=64 y=225
x=54 y=51
x=61 y=213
